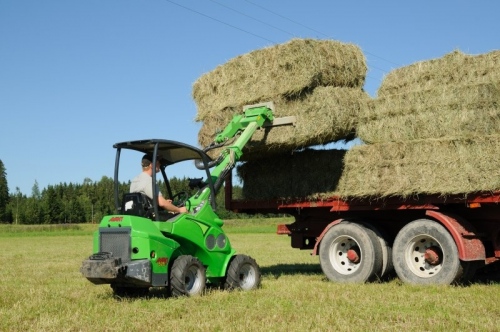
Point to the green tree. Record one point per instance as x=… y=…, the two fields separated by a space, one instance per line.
x=35 y=191
x=104 y=195
x=52 y=205
x=4 y=194
x=16 y=207
x=32 y=211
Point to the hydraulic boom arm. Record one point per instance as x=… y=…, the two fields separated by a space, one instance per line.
x=243 y=127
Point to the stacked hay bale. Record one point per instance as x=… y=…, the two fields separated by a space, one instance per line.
x=457 y=95
x=308 y=174
x=318 y=81
x=433 y=129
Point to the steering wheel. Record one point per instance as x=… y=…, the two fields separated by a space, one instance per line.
x=180 y=198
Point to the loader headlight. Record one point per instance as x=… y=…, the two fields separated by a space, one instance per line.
x=210 y=241
x=221 y=241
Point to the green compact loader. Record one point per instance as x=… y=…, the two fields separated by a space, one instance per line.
x=143 y=246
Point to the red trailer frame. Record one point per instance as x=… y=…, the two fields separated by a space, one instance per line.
x=473 y=220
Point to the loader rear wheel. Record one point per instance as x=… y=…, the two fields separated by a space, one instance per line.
x=187 y=277
x=242 y=273
x=424 y=252
x=350 y=252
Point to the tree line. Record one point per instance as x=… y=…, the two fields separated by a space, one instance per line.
x=87 y=202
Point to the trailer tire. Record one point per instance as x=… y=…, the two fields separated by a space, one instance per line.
x=187 y=277
x=424 y=252
x=243 y=273
x=387 y=266
x=350 y=252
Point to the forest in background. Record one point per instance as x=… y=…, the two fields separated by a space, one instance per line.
x=87 y=202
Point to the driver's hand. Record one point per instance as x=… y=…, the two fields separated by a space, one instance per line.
x=175 y=209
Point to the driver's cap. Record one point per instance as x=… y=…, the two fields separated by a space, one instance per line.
x=147 y=159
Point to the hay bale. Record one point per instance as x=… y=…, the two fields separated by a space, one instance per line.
x=285 y=69
x=453 y=68
x=403 y=169
x=440 y=166
x=301 y=174
x=324 y=115
x=443 y=111
x=435 y=126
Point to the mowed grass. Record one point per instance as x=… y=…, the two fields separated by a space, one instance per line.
x=41 y=289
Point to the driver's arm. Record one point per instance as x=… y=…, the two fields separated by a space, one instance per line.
x=167 y=205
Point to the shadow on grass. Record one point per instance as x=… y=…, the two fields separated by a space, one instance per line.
x=279 y=270
x=490 y=274
x=487 y=275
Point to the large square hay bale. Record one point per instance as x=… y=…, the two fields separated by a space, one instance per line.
x=304 y=174
x=443 y=111
x=285 y=69
x=433 y=166
x=324 y=115
x=453 y=68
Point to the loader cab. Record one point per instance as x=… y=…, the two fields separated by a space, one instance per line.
x=171 y=156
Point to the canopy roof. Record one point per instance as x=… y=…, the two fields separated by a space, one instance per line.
x=168 y=153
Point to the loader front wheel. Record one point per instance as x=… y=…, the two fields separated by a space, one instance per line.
x=243 y=273
x=187 y=277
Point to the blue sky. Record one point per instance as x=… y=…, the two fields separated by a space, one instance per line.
x=78 y=76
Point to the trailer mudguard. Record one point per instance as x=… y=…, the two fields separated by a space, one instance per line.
x=470 y=247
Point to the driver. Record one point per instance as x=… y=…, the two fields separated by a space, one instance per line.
x=142 y=183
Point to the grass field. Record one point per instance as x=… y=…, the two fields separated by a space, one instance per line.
x=41 y=289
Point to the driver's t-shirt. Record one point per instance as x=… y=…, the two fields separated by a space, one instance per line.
x=142 y=183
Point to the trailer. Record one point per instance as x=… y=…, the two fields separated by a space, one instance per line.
x=425 y=239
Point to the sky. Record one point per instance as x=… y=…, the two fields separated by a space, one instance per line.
x=78 y=76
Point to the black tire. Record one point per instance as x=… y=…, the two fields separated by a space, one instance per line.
x=424 y=252
x=125 y=291
x=243 y=273
x=387 y=265
x=338 y=246
x=187 y=277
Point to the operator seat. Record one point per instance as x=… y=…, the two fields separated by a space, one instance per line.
x=137 y=204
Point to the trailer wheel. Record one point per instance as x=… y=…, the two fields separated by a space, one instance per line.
x=242 y=273
x=425 y=253
x=187 y=276
x=387 y=266
x=350 y=252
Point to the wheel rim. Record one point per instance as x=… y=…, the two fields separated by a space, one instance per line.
x=424 y=256
x=345 y=255
x=247 y=276
x=193 y=280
